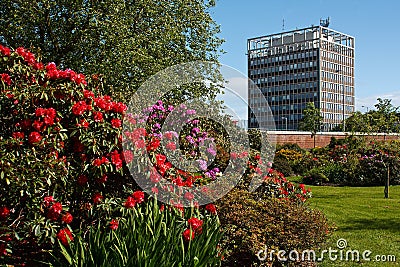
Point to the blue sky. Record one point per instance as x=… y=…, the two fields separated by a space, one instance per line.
x=374 y=24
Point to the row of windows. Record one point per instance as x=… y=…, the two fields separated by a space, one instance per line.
x=337 y=97
x=291 y=88
x=337 y=77
x=286 y=57
x=337 y=87
x=288 y=77
x=338 y=57
x=292 y=97
x=293 y=108
x=295 y=66
x=334 y=116
x=337 y=49
x=334 y=106
x=334 y=67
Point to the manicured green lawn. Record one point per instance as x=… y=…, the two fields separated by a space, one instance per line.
x=364 y=219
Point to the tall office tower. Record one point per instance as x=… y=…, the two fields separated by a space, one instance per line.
x=314 y=64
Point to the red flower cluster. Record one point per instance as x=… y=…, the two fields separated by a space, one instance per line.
x=34 y=137
x=54 y=212
x=116 y=159
x=116 y=123
x=128 y=156
x=4 y=212
x=29 y=58
x=195 y=226
x=136 y=198
x=97 y=198
x=5 y=51
x=97 y=116
x=48 y=115
x=162 y=165
x=211 y=208
x=48 y=200
x=67 y=218
x=114 y=224
x=65 y=236
x=80 y=107
x=6 y=78
x=53 y=73
x=98 y=162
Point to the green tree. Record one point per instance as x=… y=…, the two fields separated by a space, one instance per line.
x=312 y=120
x=126 y=40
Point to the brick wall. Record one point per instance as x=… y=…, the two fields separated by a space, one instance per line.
x=304 y=139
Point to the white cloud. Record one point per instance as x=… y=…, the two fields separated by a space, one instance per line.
x=369 y=101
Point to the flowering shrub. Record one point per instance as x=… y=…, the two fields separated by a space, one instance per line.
x=63 y=168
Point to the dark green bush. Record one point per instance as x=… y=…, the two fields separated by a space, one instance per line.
x=283 y=165
x=315 y=176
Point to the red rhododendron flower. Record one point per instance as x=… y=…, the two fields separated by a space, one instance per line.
x=116 y=123
x=55 y=211
x=171 y=146
x=98 y=116
x=119 y=107
x=153 y=145
x=3 y=250
x=6 y=78
x=83 y=123
x=138 y=196
x=188 y=235
x=154 y=190
x=65 y=236
x=5 y=50
x=130 y=202
x=48 y=200
x=128 y=156
x=139 y=144
x=155 y=176
x=114 y=224
x=189 y=196
x=195 y=224
x=18 y=135
x=39 y=126
x=4 y=212
x=79 y=108
x=34 y=137
x=67 y=218
x=211 y=208
x=116 y=159
x=97 y=198
x=88 y=94
x=82 y=180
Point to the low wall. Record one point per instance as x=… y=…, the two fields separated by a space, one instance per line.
x=304 y=139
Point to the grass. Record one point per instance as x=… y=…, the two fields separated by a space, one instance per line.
x=364 y=219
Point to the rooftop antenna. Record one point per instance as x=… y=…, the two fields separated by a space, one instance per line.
x=324 y=22
x=283 y=24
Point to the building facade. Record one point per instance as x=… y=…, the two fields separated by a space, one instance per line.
x=314 y=64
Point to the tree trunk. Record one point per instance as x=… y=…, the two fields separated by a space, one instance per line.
x=387 y=184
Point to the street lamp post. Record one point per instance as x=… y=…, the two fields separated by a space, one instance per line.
x=284 y=118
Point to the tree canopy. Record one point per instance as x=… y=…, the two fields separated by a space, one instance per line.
x=312 y=119
x=126 y=40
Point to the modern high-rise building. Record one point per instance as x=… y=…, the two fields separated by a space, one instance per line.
x=292 y=68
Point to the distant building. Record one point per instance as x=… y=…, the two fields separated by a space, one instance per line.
x=314 y=64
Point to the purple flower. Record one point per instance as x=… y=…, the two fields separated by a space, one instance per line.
x=202 y=164
x=211 y=151
x=195 y=130
x=190 y=139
